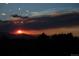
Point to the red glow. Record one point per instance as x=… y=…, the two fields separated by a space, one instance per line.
x=19 y=32
x=22 y=31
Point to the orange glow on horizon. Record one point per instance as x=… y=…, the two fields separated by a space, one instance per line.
x=22 y=31
x=52 y=31
x=19 y=32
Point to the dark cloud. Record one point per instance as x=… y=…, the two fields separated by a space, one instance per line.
x=15 y=15
x=66 y=20
x=45 y=22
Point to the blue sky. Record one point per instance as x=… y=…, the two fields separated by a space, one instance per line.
x=32 y=8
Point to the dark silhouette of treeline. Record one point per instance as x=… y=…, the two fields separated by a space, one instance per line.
x=40 y=45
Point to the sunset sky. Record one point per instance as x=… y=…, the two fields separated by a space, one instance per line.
x=50 y=25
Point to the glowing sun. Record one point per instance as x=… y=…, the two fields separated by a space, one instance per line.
x=19 y=32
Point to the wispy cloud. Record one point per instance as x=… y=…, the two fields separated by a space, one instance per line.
x=52 y=12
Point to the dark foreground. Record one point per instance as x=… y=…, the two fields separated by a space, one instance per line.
x=41 y=45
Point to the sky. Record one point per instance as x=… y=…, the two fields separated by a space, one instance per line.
x=52 y=26
x=32 y=9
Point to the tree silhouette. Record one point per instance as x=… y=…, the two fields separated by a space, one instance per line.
x=58 y=44
x=43 y=36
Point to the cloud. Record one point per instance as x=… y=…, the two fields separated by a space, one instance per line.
x=52 y=12
x=40 y=13
x=49 y=19
x=3 y=14
x=52 y=20
x=45 y=22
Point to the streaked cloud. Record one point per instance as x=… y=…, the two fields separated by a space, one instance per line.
x=52 y=12
x=42 y=13
x=52 y=31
